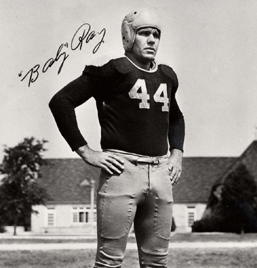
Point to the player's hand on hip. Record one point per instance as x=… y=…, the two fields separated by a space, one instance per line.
x=175 y=165
x=105 y=160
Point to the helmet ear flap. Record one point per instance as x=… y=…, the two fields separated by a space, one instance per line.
x=128 y=35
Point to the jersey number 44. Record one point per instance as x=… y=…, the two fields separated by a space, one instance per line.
x=161 y=95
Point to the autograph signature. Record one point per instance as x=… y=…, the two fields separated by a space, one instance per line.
x=83 y=35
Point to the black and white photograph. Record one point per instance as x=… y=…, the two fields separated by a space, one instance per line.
x=128 y=134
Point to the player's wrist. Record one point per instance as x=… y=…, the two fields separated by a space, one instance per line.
x=176 y=152
x=84 y=151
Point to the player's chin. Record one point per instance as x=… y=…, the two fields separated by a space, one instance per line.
x=149 y=56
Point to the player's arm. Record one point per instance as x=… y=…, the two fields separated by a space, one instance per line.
x=176 y=140
x=63 y=106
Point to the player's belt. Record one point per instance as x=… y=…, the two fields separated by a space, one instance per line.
x=148 y=160
x=140 y=159
x=143 y=159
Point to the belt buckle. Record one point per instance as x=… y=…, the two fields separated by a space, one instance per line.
x=156 y=161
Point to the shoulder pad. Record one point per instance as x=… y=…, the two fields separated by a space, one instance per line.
x=168 y=71
x=122 y=65
x=103 y=71
x=108 y=69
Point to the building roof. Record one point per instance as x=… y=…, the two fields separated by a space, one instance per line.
x=198 y=176
x=68 y=180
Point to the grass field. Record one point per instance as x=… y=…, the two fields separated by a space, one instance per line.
x=178 y=258
x=178 y=237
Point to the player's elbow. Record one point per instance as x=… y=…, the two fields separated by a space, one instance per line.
x=53 y=103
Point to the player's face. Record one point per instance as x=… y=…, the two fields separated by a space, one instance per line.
x=146 y=44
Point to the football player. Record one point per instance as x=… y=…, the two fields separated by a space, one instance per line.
x=142 y=136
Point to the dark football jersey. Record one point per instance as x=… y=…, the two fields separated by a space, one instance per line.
x=137 y=109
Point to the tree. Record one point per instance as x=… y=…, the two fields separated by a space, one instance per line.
x=232 y=205
x=20 y=188
x=239 y=199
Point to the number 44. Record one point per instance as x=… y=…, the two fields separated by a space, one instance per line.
x=160 y=95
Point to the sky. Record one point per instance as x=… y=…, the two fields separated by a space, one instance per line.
x=210 y=44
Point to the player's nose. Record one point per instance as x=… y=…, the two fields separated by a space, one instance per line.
x=151 y=38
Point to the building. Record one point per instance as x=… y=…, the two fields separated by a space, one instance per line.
x=71 y=185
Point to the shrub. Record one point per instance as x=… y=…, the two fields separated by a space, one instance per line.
x=2 y=229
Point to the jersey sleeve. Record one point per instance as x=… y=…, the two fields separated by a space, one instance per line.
x=92 y=83
x=62 y=106
x=176 y=133
x=176 y=127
